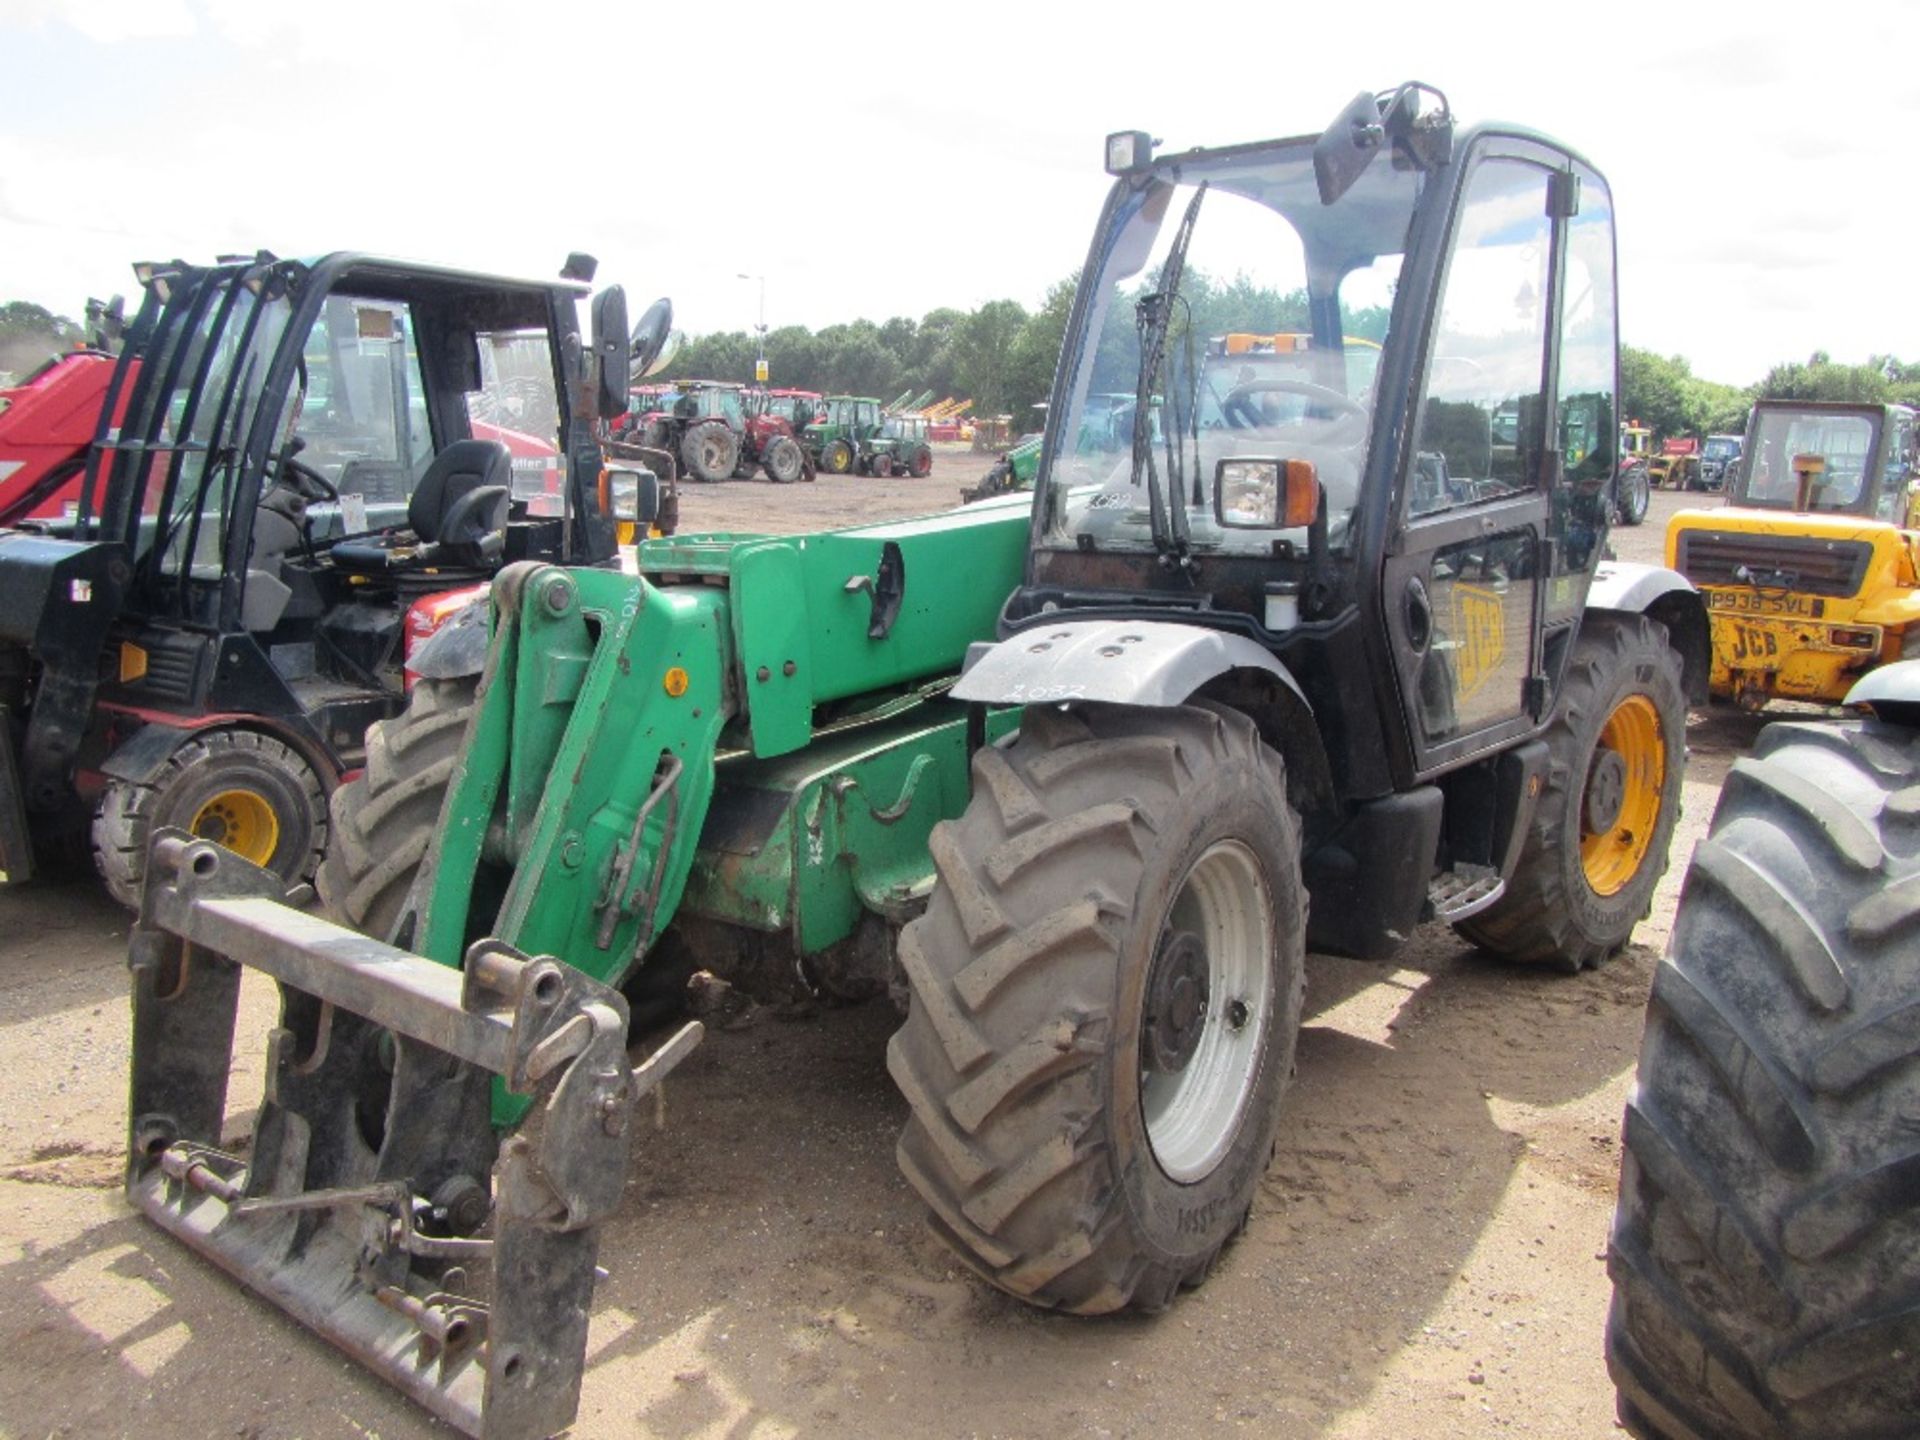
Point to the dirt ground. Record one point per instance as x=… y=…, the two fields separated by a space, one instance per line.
x=1425 y=1257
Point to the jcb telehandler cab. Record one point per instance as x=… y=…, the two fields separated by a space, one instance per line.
x=1811 y=570
x=1290 y=664
x=312 y=455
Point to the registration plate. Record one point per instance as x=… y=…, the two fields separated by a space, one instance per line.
x=1754 y=602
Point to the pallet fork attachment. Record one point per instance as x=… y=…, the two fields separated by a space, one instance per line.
x=363 y=1207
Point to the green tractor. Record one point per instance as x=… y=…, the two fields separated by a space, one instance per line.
x=853 y=437
x=1077 y=779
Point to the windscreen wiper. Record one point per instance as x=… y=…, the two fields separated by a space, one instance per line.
x=1153 y=317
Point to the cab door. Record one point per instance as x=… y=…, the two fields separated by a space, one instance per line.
x=1477 y=564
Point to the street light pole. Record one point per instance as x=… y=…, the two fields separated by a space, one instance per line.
x=760 y=358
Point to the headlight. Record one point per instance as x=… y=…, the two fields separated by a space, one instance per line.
x=632 y=497
x=624 y=489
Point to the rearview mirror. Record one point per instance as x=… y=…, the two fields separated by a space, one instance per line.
x=650 y=338
x=1262 y=494
x=612 y=349
x=1343 y=152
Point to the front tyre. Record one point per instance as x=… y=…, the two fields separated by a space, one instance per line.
x=384 y=818
x=1597 y=844
x=1106 y=990
x=245 y=791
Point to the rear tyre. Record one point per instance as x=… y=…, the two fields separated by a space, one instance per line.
x=837 y=457
x=1634 y=497
x=237 y=788
x=1106 y=990
x=783 y=460
x=1762 y=1253
x=921 y=464
x=1597 y=844
x=710 y=451
x=383 y=819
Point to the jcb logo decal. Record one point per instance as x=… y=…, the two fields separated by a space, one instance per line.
x=1479 y=636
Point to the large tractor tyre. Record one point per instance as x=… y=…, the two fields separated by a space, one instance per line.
x=1106 y=990
x=657 y=435
x=1763 y=1247
x=880 y=466
x=1597 y=844
x=710 y=451
x=383 y=819
x=784 y=461
x=1634 y=497
x=238 y=788
x=920 y=463
x=837 y=458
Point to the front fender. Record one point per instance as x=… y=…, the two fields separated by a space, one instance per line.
x=1891 y=691
x=1665 y=595
x=1122 y=662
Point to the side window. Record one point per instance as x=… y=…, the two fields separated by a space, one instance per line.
x=363 y=413
x=1481 y=423
x=1897 y=474
x=517 y=405
x=1588 y=437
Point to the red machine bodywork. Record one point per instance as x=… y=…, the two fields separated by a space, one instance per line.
x=47 y=424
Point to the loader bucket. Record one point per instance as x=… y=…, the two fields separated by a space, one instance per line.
x=374 y=1203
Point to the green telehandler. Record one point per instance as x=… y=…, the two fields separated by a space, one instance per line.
x=1077 y=778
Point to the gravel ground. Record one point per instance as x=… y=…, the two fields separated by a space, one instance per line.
x=1424 y=1257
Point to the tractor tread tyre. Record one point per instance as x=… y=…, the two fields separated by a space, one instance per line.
x=920 y=463
x=1635 y=496
x=1549 y=913
x=783 y=460
x=1020 y=1056
x=711 y=451
x=384 y=818
x=1763 y=1245
x=837 y=457
x=204 y=765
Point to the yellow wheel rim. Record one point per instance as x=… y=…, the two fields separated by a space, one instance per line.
x=1620 y=800
x=242 y=821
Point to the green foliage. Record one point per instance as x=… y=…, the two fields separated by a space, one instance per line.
x=30 y=335
x=1662 y=392
x=1003 y=357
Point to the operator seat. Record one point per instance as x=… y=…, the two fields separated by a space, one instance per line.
x=458 y=513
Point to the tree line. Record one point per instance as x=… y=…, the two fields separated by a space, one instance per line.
x=1002 y=355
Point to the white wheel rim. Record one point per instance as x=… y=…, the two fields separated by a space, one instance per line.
x=1193 y=1114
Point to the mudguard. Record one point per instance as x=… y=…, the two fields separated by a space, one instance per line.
x=1665 y=595
x=1121 y=662
x=1891 y=691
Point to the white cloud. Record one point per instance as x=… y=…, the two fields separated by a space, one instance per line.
x=870 y=164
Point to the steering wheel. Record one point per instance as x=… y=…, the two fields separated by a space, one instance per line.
x=1240 y=414
x=306 y=480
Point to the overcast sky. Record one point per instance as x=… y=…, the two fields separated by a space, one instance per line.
x=887 y=159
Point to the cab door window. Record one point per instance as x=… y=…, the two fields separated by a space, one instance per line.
x=518 y=404
x=1479 y=429
x=363 y=410
x=1586 y=409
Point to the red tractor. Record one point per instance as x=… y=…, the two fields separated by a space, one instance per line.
x=701 y=421
x=774 y=420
